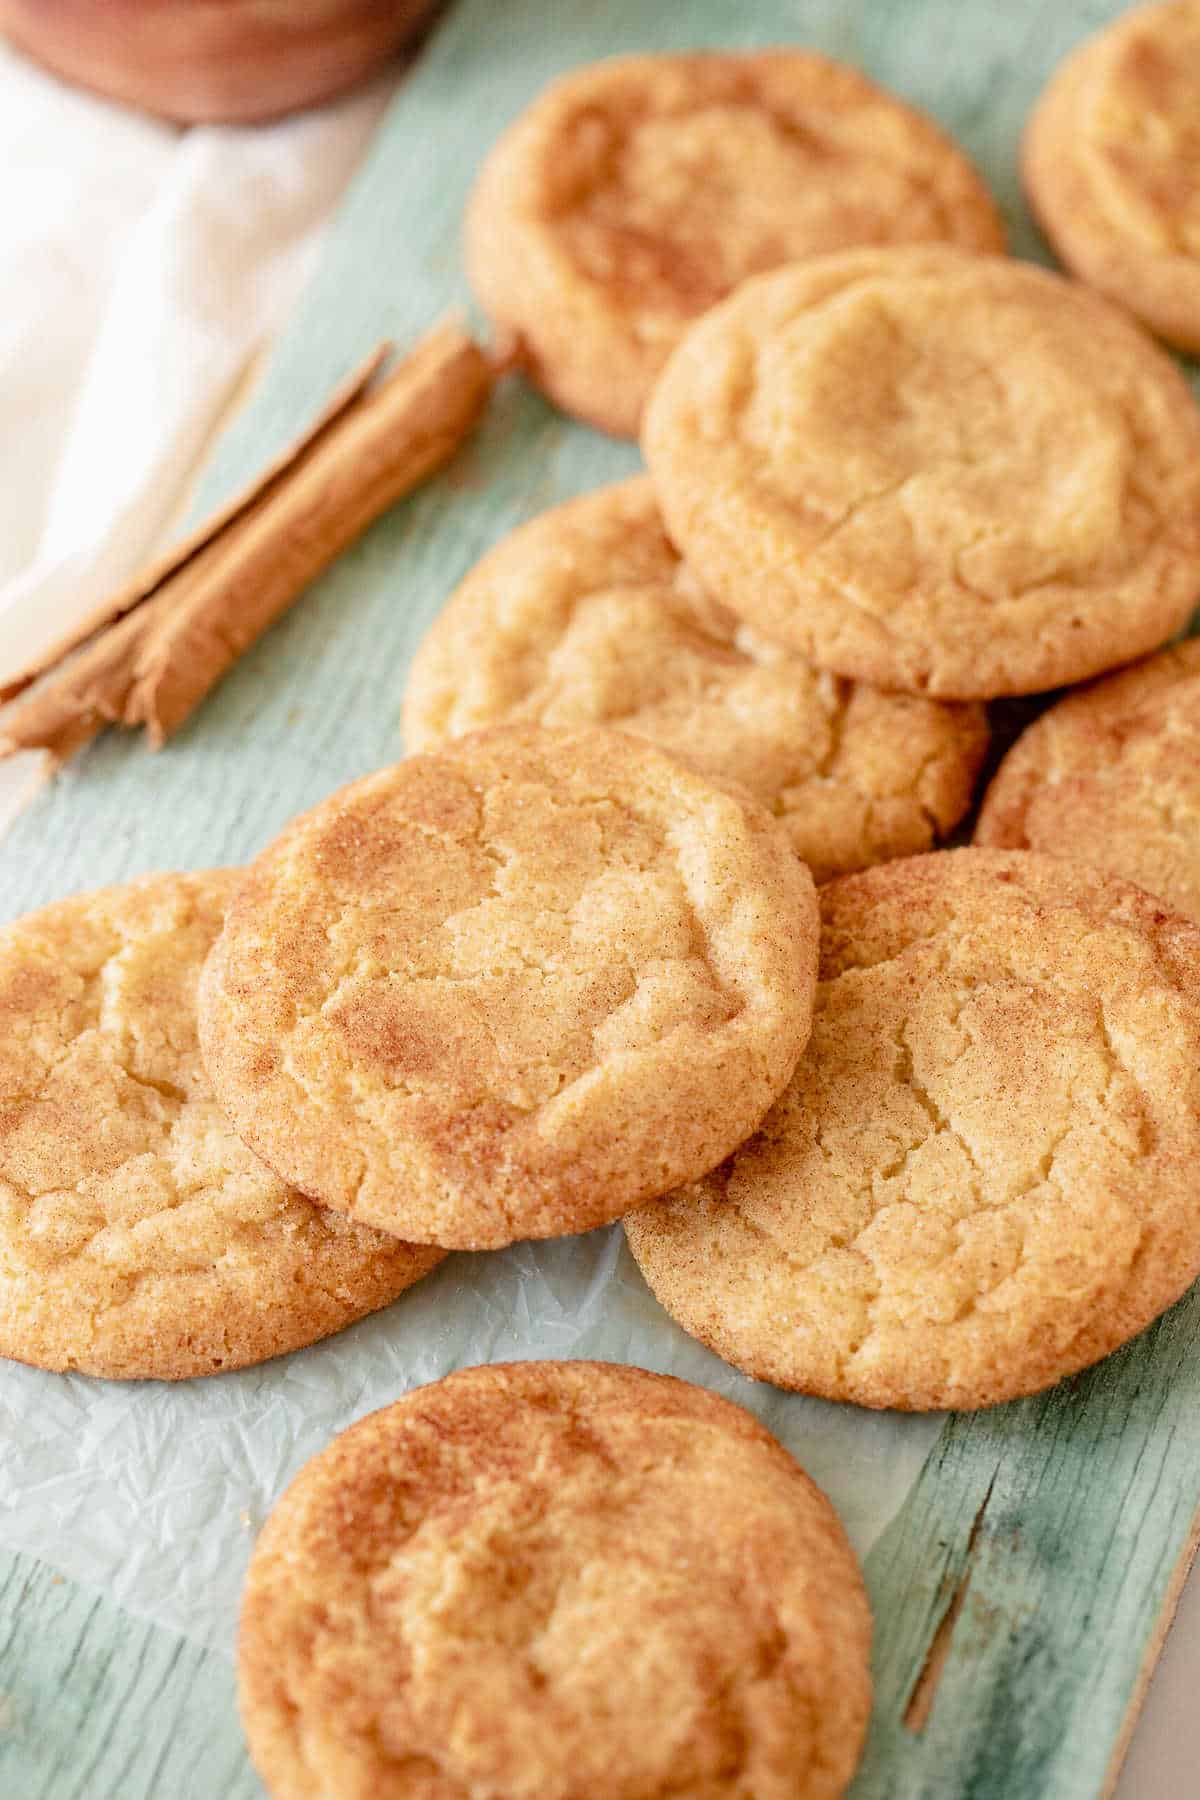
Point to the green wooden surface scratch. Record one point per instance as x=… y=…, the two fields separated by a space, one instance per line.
x=1057 y=1523
x=1065 y=1516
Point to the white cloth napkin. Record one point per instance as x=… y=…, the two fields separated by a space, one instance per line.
x=141 y=268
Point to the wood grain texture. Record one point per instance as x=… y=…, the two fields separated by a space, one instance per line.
x=1059 y=1522
x=95 y=1704
x=1020 y=1591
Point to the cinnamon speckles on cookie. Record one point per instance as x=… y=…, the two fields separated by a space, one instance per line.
x=981 y=1178
x=587 y=616
x=555 y=1579
x=637 y=192
x=138 y=1235
x=1110 y=776
x=510 y=988
x=1110 y=159
x=948 y=474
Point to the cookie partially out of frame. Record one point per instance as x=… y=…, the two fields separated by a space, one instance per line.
x=510 y=988
x=635 y=193
x=1111 y=776
x=554 y=1579
x=1111 y=163
x=982 y=1177
x=587 y=616
x=948 y=474
x=138 y=1235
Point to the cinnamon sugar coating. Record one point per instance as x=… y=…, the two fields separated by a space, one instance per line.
x=587 y=616
x=561 y=1580
x=982 y=1176
x=1110 y=159
x=512 y=987
x=138 y=1235
x=635 y=193
x=947 y=474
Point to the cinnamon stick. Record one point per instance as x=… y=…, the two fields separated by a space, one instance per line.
x=167 y=639
x=150 y=579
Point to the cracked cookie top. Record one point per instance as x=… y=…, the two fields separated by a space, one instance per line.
x=947 y=474
x=1111 y=776
x=982 y=1176
x=634 y=194
x=511 y=988
x=1110 y=160
x=138 y=1235
x=587 y=616
x=555 y=1580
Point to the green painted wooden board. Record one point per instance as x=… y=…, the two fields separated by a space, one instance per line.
x=1021 y=1591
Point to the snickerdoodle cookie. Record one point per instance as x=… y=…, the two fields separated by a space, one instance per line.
x=634 y=194
x=982 y=1177
x=1111 y=776
x=555 y=1580
x=513 y=987
x=586 y=616
x=138 y=1235
x=1111 y=162
x=939 y=472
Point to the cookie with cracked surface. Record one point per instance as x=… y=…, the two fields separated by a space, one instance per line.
x=634 y=194
x=1109 y=161
x=587 y=616
x=510 y=988
x=948 y=474
x=982 y=1177
x=1111 y=776
x=477 y=1589
x=138 y=1236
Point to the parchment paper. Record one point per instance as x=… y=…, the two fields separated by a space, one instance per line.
x=154 y=1490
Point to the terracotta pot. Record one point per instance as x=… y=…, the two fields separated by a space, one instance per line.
x=234 y=60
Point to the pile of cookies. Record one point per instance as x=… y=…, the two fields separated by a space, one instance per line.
x=922 y=1136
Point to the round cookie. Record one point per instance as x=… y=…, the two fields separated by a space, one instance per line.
x=511 y=988
x=1111 y=776
x=634 y=194
x=555 y=1579
x=1110 y=159
x=138 y=1235
x=982 y=1177
x=586 y=616
x=942 y=473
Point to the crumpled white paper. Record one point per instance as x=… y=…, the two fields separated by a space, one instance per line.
x=155 y=1490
